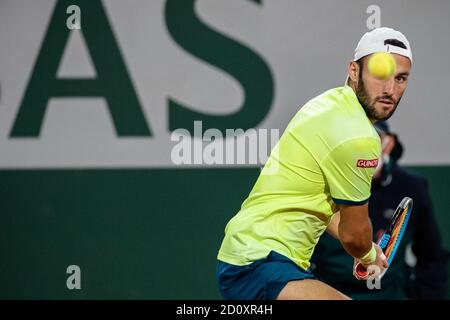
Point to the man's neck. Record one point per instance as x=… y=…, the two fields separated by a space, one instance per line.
x=352 y=85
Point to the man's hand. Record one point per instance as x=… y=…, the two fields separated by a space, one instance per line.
x=375 y=269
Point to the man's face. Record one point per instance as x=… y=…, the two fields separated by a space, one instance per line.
x=380 y=98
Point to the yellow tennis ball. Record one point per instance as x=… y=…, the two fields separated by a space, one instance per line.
x=382 y=65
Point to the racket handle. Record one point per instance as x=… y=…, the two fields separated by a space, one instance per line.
x=361 y=271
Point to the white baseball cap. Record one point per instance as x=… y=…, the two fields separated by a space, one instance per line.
x=383 y=40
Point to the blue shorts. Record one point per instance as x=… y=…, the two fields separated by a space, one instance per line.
x=261 y=280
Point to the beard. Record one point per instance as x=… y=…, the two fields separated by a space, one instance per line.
x=368 y=104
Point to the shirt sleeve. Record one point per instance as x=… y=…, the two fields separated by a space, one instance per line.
x=348 y=170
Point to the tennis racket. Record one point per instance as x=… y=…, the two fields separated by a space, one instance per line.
x=392 y=237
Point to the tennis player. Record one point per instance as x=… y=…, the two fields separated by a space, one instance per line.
x=324 y=164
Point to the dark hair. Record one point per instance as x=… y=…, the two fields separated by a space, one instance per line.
x=360 y=63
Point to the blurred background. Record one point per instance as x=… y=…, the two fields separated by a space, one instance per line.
x=92 y=92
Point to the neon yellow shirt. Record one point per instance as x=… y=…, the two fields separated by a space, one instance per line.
x=326 y=156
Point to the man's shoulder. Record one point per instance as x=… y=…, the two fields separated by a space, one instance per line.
x=329 y=97
x=333 y=104
x=333 y=118
x=345 y=120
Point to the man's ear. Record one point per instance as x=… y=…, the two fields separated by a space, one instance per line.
x=353 y=71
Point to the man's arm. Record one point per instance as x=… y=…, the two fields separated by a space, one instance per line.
x=352 y=227
x=355 y=229
x=349 y=180
x=355 y=239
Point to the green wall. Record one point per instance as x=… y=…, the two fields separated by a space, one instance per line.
x=136 y=234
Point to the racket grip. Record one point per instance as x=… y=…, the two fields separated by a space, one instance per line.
x=361 y=271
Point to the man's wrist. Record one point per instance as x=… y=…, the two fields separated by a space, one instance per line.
x=370 y=256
